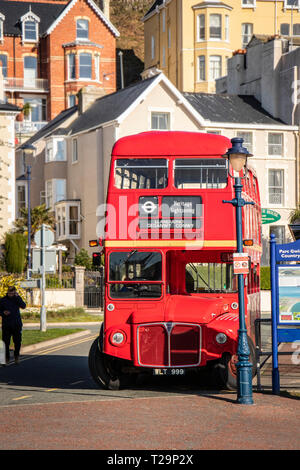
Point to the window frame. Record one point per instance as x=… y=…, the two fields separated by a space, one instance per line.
x=52 y=144
x=4 y=68
x=32 y=18
x=201 y=68
x=159 y=114
x=227 y=28
x=293 y=6
x=74 y=150
x=211 y=78
x=280 y=187
x=286 y=25
x=246 y=35
x=248 y=3
x=81 y=55
x=132 y=283
x=72 y=66
x=219 y=36
x=152 y=47
x=201 y=28
x=246 y=143
x=2 y=19
x=296 y=25
x=272 y=154
x=86 y=21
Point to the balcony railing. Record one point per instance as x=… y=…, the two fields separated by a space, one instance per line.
x=26 y=84
x=28 y=127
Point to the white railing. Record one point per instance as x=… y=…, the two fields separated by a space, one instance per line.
x=24 y=127
x=13 y=83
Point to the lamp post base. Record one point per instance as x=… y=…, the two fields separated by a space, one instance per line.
x=244 y=370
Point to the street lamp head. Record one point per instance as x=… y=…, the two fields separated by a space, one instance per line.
x=237 y=155
x=28 y=149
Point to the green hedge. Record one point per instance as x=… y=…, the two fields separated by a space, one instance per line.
x=265 y=283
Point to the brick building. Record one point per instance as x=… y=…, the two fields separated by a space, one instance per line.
x=49 y=50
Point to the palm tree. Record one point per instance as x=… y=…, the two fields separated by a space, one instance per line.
x=294 y=217
x=39 y=215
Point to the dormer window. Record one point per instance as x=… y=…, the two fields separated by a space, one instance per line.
x=82 y=29
x=2 y=18
x=30 y=27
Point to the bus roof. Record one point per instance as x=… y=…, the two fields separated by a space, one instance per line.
x=174 y=143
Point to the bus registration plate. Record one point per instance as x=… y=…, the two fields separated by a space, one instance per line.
x=169 y=371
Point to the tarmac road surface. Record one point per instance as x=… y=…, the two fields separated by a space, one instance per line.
x=50 y=402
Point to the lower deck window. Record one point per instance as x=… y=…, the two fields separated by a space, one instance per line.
x=210 y=277
x=135 y=274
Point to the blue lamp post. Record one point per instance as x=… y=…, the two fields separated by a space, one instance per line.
x=237 y=157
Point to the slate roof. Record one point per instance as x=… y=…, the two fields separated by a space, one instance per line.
x=109 y=107
x=243 y=109
x=13 y=11
x=53 y=127
x=9 y=107
x=157 y=3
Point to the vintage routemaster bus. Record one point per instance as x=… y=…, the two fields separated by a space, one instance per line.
x=171 y=300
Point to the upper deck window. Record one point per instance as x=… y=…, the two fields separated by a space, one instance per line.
x=200 y=173
x=143 y=173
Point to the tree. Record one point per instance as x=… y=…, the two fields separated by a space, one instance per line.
x=294 y=217
x=15 y=252
x=82 y=258
x=39 y=215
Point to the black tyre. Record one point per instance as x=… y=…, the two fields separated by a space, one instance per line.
x=103 y=368
x=224 y=373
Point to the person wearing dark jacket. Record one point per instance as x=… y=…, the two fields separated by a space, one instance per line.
x=11 y=321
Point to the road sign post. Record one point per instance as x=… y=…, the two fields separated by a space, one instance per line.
x=43 y=238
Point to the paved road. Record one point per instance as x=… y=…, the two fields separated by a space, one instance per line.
x=59 y=373
x=49 y=401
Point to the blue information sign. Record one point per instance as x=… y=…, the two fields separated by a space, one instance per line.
x=285 y=299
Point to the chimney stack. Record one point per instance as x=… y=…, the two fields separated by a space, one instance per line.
x=105 y=7
x=87 y=95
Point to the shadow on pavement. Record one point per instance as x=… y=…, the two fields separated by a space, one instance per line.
x=71 y=372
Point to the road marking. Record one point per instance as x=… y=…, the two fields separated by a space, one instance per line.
x=22 y=398
x=51 y=389
x=78 y=382
x=66 y=345
x=57 y=347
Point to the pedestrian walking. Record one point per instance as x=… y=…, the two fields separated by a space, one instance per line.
x=11 y=322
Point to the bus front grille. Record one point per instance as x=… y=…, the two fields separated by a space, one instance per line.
x=169 y=344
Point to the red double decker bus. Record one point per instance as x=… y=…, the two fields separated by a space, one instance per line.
x=171 y=300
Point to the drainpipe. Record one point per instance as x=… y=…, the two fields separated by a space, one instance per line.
x=297 y=143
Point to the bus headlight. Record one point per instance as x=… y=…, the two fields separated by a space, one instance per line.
x=234 y=305
x=221 y=338
x=117 y=338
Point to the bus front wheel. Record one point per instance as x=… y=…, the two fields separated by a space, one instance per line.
x=225 y=372
x=103 y=368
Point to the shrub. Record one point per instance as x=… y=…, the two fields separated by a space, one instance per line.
x=15 y=252
x=9 y=281
x=265 y=283
x=83 y=259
